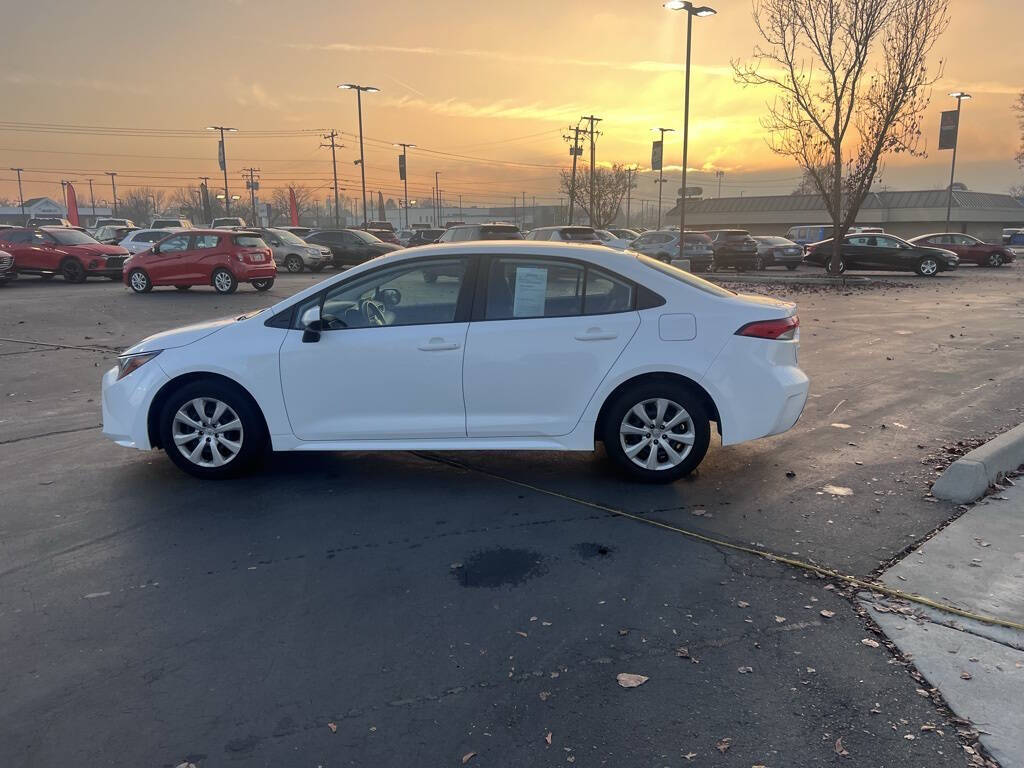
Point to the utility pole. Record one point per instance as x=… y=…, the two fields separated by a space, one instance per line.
x=629 y=190
x=515 y=216
x=959 y=96
x=113 y=187
x=437 y=205
x=460 y=208
x=440 y=208
x=575 y=150
x=524 y=209
x=253 y=185
x=404 y=173
x=593 y=159
x=334 y=163
x=719 y=175
x=92 y=202
x=21 y=196
x=222 y=158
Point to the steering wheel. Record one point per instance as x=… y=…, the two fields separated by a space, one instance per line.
x=374 y=312
x=390 y=297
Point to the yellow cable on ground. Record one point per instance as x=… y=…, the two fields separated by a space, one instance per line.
x=826 y=572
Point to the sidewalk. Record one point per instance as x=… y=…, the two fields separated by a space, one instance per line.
x=976 y=564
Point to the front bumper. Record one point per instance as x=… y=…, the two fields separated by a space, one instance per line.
x=126 y=404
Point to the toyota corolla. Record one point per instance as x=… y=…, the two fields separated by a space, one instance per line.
x=471 y=346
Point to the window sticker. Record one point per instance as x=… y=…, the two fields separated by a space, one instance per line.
x=531 y=285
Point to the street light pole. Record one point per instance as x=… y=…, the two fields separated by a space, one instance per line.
x=222 y=156
x=113 y=187
x=959 y=96
x=437 y=204
x=661 y=166
x=21 y=196
x=405 y=177
x=359 y=89
x=691 y=11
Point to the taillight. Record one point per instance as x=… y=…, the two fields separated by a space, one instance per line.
x=783 y=329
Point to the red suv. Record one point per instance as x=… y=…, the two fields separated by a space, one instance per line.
x=218 y=257
x=49 y=251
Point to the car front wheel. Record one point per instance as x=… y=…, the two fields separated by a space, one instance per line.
x=656 y=432
x=139 y=281
x=293 y=263
x=209 y=429
x=73 y=271
x=223 y=281
x=927 y=267
x=995 y=260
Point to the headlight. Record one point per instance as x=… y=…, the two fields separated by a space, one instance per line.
x=128 y=363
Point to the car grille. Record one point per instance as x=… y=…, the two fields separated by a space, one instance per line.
x=6 y=261
x=115 y=262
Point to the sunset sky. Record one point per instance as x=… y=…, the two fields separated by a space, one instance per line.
x=499 y=83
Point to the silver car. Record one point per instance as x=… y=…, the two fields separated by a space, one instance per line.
x=293 y=253
x=663 y=244
x=775 y=251
x=143 y=239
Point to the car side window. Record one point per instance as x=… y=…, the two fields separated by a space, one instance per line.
x=412 y=293
x=860 y=241
x=524 y=287
x=18 y=238
x=605 y=293
x=176 y=244
x=206 y=241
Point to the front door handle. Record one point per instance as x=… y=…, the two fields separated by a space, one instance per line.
x=437 y=344
x=596 y=334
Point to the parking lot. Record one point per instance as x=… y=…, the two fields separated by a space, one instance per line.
x=400 y=609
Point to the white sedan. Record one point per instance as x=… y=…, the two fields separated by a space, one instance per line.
x=471 y=346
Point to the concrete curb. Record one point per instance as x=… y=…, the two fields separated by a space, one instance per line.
x=967 y=478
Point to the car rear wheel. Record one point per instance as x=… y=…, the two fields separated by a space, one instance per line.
x=209 y=429
x=72 y=271
x=263 y=284
x=293 y=263
x=928 y=267
x=995 y=260
x=139 y=281
x=223 y=281
x=656 y=431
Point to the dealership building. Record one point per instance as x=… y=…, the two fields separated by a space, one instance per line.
x=904 y=214
x=44 y=207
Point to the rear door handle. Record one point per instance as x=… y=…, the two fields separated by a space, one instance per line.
x=596 y=334
x=437 y=344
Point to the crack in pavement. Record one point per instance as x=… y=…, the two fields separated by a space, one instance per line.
x=50 y=434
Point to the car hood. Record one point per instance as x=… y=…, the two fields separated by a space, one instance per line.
x=94 y=249
x=180 y=337
x=940 y=252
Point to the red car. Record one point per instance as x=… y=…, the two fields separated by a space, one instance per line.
x=970 y=249
x=222 y=258
x=49 y=251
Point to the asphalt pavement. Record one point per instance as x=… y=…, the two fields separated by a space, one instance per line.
x=393 y=609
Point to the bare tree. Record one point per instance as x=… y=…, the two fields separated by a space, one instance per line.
x=852 y=83
x=280 y=206
x=141 y=204
x=1018 y=107
x=610 y=188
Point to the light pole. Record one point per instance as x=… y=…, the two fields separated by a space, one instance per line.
x=661 y=166
x=405 y=177
x=629 y=189
x=437 y=205
x=691 y=11
x=359 y=89
x=21 y=196
x=113 y=187
x=959 y=96
x=222 y=158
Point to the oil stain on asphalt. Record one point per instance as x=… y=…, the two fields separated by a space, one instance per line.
x=493 y=568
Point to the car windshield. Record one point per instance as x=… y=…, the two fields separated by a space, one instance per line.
x=287 y=237
x=578 y=233
x=71 y=237
x=684 y=277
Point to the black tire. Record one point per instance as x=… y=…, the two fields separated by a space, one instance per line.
x=252 y=435
x=928 y=266
x=139 y=281
x=183 y=287
x=293 y=263
x=223 y=281
x=994 y=260
x=624 y=403
x=842 y=265
x=73 y=271
x=792 y=267
x=760 y=265
x=263 y=284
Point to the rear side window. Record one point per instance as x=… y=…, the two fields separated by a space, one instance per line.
x=605 y=293
x=206 y=241
x=525 y=288
x=250 y=241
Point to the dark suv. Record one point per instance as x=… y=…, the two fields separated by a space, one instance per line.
x=350 y=246
x=493 y=231
x=733 y=248
x=424 y=237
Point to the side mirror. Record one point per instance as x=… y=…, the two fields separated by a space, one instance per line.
x=311 y=325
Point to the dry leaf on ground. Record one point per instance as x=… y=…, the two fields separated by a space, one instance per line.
x=722 y=745
x=869 y=642
x=467 y=757
x=745 y=670
x=333 y=727
x=629 y=680
x=780 y=619
x=828 y=614
x=840 y=749
x=547 y=738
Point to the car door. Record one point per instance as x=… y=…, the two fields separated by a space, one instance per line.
x=356 y=250
x=367 y=381
x=858 y=252
x=205 y=253
x=539 y=344
x=167 y=264
x=19 y=245
x=894 y=254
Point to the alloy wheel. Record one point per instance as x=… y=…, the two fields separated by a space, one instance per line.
x=139 y=281
x=995 y=260
x=928 y=267
x=222 y=281
x=207 y=432
x=293 y=263
x=657 y=434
